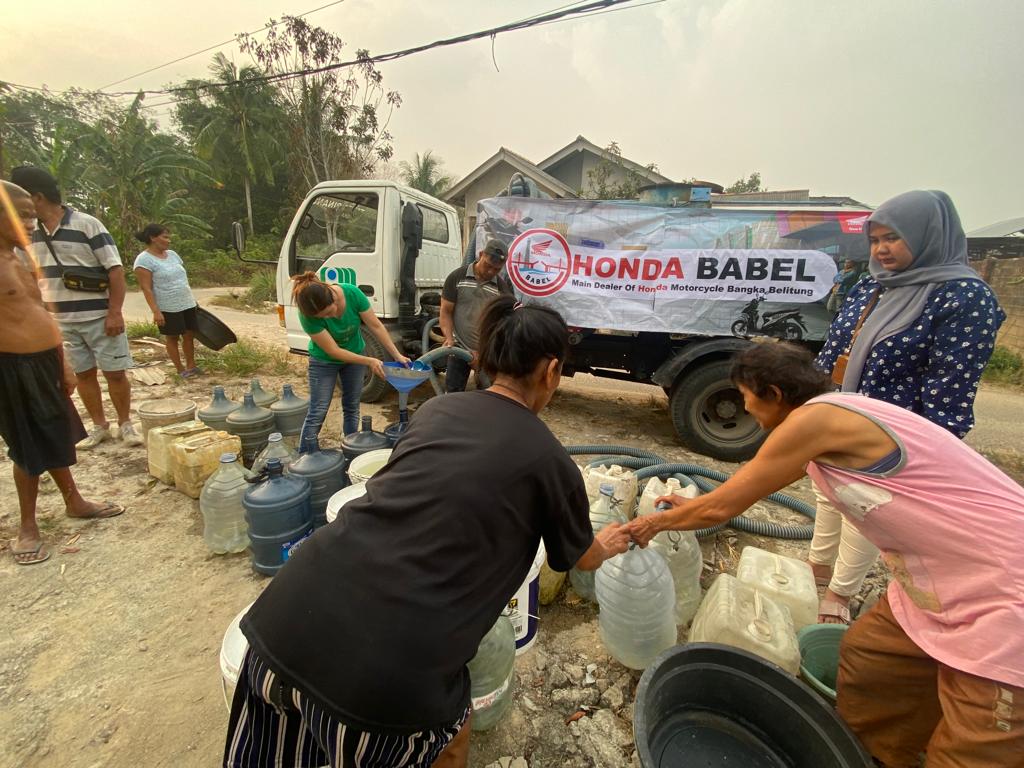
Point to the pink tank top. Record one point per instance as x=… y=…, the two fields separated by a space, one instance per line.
x=950 y=526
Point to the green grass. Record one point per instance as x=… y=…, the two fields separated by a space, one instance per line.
x=244 y=359
x=136 y=329
x=1005 y=367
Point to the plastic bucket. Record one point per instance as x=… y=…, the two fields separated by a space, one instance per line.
x=819 y=656
x=710 y=704
x=364 y=466
x=525 y=604
x=343 y=497
x=232 y=650
x=161 y=413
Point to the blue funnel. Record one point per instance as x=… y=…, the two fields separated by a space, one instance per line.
x=405 y=379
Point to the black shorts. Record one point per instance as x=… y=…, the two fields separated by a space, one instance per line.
x=176 y=323
x=38 y=421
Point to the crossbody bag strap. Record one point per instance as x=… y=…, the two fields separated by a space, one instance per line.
x=863 y=316
x=49 y=244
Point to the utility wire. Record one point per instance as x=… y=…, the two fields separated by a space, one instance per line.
x=565 y=13
x=230 y=40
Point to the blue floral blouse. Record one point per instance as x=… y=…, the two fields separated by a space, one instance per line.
x=934 y=366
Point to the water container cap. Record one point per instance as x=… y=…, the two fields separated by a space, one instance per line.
x=228 y=458
x=274 y=466
x=607 y=489
x=274 y=437
x=367 y=423
x=287 y=390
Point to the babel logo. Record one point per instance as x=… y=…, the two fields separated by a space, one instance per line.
x=539 y=263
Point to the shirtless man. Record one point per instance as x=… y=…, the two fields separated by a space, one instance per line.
x=37 y=419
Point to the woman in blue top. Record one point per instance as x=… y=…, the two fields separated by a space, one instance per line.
x=917 y=332
x=332 y=316
x=164 y=283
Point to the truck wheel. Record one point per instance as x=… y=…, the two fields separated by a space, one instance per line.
x=709 y=417
x=373 y=388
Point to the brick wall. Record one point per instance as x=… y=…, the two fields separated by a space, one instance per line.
x=1006 y=276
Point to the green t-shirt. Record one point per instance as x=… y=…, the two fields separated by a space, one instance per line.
x=344 y=330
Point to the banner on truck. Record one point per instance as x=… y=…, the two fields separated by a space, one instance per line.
x=632 y=267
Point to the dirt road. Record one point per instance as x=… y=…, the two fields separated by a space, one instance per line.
x=997 y=410
x=109 y=658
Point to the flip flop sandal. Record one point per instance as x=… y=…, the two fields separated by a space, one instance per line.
x=35 y=556
x=109 y=509
x=834 y=610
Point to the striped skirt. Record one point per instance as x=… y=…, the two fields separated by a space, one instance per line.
x=275 y=726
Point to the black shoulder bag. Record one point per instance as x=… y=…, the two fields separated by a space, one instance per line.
x=78 y=278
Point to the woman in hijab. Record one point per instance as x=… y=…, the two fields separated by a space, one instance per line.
x=917 y=333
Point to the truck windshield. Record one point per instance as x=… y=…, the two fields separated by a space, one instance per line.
x=339 y=222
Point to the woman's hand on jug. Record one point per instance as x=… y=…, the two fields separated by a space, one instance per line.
x=614 y=537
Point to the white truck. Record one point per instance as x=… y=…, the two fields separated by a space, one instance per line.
x=653 y=293
x=363 y=232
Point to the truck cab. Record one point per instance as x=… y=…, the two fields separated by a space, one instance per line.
x=358 y=232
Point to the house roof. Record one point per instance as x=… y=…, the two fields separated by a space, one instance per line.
x=581 y=144
x=785 y=196
x=457 y=194
x=1008 y=228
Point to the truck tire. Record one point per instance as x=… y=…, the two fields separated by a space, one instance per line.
x=373 y=387
x=708 y=414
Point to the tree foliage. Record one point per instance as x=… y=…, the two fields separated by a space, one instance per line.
x=750 y=184
x=613 y=179
x=250 y=147
x=426 y=174
x=336 y=119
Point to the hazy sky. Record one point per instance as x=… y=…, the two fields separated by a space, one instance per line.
x=866 y=98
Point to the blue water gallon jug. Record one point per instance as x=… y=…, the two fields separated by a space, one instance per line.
x=364 y=441
x=290 y=411
x=279 y=517
x=253 y=426
x=215 y=415
x=325 y=471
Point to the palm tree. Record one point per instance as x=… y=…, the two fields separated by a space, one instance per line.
x=240 y=122
x=425 y=174
x=134 y=174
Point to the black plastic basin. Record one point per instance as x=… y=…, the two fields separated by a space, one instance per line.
x=713 y=706
x=212 y=332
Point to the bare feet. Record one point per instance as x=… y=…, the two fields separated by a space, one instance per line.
x=91 y=510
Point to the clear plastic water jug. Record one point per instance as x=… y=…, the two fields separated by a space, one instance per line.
x=734 y=613
x=253 y=426
x=606 y=509
x=325 y=471
x=260 y=396
x=637 y=600
x=279 y=518
x=220 y=502
x=491 y=675
x=276 y=449
x=680 y=549
x=215 y=415
x=290 y=411
x=788 y=581
x=364 y=441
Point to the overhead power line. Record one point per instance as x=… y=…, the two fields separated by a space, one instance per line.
x=588 y=9
x=230 y=40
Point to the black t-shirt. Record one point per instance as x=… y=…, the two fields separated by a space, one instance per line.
x=376 y=615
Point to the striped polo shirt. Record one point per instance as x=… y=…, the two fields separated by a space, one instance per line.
x=80 y=241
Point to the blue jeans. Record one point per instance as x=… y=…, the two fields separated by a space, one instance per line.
x=322 y=379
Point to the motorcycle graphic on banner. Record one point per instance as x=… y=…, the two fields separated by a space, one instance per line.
x=634 y=267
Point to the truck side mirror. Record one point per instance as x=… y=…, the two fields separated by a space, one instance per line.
x=237 y=237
